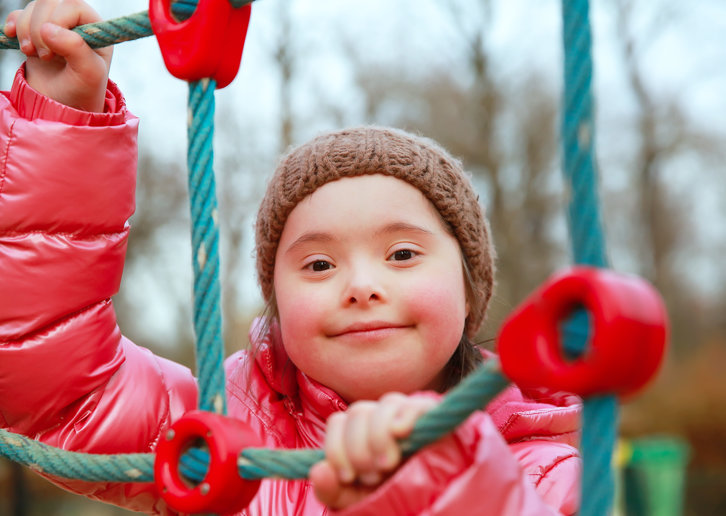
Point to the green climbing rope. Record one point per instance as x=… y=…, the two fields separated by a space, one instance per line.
x=473 y=393
x=600 y=415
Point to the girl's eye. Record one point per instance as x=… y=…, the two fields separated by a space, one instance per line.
x=320 y=266
x=403 y=254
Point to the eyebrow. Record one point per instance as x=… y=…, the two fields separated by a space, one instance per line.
x=323 y=237
x=313 y=236
x=395 y=227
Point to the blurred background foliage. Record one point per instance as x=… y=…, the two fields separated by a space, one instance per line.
x=494 y=103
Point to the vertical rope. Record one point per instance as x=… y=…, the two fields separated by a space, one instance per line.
x=205 y=247
x=578 y=135
x=588 y=244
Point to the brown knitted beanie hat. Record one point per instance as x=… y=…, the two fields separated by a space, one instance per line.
x=375 y=150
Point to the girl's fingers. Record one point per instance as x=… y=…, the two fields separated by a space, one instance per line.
x=361 y=443
x=63 y=14
x=68 y=14
x=22 y=30
x=325 y=483
x=10 y=23
x=386 y=451
x=41 y=13
x=409 y=413
x=69 y=45
x=330 y=491
x=356 y=437
x=335 y=448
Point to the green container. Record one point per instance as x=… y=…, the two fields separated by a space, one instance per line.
x=654 y=477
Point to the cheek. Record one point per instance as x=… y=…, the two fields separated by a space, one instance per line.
x=440 y=307
x=295 y=314
x=295 y=319
x=301 y=311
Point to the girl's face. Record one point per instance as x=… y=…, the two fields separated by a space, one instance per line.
x=370 y=288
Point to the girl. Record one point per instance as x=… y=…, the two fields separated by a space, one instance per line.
x=374 y=258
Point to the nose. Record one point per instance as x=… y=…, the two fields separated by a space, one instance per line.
x=363 y=287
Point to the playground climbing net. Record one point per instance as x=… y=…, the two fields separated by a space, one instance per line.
x=598 y=374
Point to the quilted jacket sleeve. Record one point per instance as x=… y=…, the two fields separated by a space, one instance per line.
x=67 y=375
x=475 y=471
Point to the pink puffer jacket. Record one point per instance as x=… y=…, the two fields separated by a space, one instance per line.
x=70 y=379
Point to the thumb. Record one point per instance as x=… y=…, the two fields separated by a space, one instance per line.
x=69 y=45
x=331 y=492
x=325 y=483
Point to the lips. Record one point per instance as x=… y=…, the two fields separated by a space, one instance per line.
x=372 y=327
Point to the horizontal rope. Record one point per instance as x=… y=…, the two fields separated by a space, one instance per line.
x=473 y=393
x=129 y=467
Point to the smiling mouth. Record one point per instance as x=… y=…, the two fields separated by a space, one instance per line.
x=370 y=330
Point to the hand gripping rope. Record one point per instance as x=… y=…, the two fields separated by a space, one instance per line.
x=627 y=319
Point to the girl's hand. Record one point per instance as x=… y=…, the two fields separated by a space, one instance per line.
x=361 y=449
x=60 y=64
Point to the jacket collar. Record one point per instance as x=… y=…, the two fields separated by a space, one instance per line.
x=307 y=395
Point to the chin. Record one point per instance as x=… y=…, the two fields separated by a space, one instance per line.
x=365 y=392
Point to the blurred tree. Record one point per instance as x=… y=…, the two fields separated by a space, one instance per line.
x=285 y=61
x=161 y=213
x=244 y=164
x=663 y=222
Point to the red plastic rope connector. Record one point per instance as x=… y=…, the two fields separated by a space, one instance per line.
x=208 y=44
x=222 y=490
x=627 y=338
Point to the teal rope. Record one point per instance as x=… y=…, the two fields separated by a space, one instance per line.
x=599 y=433
x=133 y=467
x=205 y=247
x=600 y=414
x=125 y=28
x=473 y=393
x=578 y=138
x=104 y=33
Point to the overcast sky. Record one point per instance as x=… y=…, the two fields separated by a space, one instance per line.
x=526 y=34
